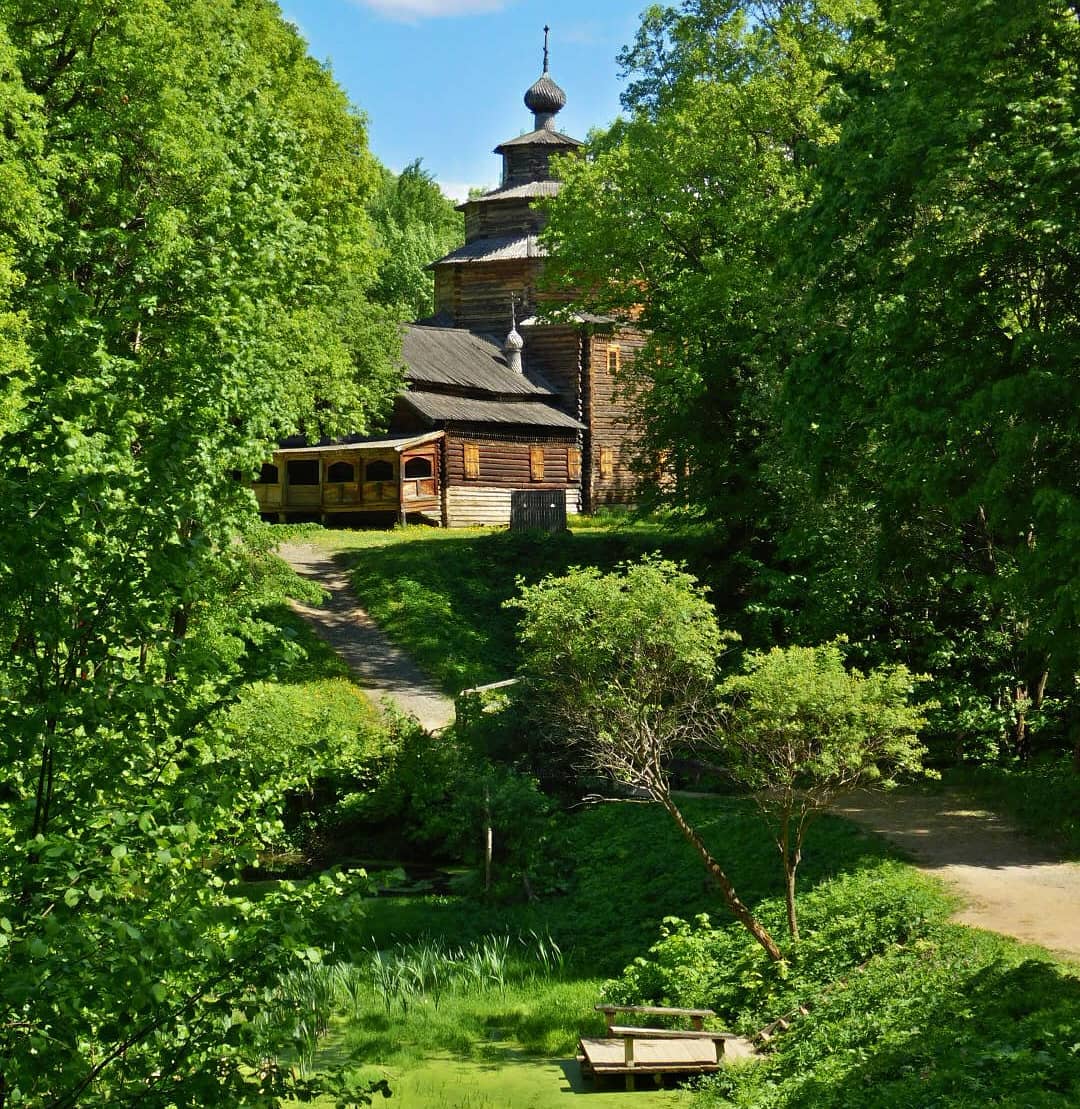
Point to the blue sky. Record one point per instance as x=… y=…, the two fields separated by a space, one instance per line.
x=443 y=80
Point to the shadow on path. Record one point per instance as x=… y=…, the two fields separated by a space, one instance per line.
x=1010 y=884
x=381 y=669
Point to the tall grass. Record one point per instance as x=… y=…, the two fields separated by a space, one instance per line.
x=403 y=978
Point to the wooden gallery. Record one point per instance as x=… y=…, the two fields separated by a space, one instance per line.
x=503 y=414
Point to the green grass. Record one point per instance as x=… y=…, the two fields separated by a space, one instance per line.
x=302 y=698
x=1043 y=798
x=905 y=1009
x=439 y=593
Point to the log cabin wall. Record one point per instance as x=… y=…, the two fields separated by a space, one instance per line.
x=477 y=295
x=530 y=162
x=613 y=439
x=497 y=218
x=503 y=463
x=555 y=354
x=508 y=461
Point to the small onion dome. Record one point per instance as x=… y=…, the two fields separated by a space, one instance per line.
x=512 y=348
x=545 y=98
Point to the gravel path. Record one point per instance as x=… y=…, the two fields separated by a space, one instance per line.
x=382 y=670
x=1009 y=884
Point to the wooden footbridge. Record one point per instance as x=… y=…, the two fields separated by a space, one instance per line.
x=632 y=1050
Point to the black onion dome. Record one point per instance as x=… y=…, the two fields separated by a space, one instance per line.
x=545 y=97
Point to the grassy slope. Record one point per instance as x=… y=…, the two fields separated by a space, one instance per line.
x=439 y=593
x=951 y=1017
x=947 y=1017
x=301 y=691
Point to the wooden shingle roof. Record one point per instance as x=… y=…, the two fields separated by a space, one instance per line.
x=442 y=408
x=502 y=248
x=542 y=137
x=531 y=190
x=449 y=356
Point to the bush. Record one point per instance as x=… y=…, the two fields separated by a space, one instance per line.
x=849 y=919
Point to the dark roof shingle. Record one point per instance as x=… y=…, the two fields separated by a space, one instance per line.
x=455 y=357
x=542 y=137
x=438 y=407
x=502 y=248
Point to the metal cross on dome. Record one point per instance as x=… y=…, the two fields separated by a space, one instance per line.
x=547 y=31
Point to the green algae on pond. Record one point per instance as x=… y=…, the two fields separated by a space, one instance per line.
x=512 y=1079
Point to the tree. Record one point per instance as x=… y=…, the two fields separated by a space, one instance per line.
x=673 y=221
x=941 y=324
x=623 y=665
x=416 y=225
x=188 y=217
x=800 y=729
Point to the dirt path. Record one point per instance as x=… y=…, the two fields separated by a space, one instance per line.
x=382 y=670
x=1009 y=883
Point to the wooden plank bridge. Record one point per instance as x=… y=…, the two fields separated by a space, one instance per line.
x=632 y=1050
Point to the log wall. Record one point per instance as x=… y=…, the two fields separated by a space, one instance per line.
x=477 y=295
x=488 y=506
x=506 y=463
x=502 y=217
x=555 y=354
x=609 y=413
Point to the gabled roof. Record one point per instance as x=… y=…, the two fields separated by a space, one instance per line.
x=542 y=137
x=438 y=407
x=450 y=356
x=501 y=248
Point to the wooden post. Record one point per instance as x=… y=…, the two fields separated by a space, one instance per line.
x=489 y=839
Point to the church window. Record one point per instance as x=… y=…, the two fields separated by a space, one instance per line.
x=472 y=460
x=536 y=463
x=607 y=462
x=573 y=463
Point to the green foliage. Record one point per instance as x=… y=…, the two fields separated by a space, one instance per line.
x=851 y=918
x=932 y=396
x=618 y=664
x=961 y=1018
x=416 y=225
x=183 y=195
x=902 y=1007
x=439 y=593
x=803 y=724
x=441 y=794
x=674 y=221
x=800 y=729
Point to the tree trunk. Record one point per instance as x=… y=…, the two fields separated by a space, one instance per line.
x=1021 y=741
x=790 y=866
x=741 y=913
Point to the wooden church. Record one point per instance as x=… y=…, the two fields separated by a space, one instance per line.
x=502 y=409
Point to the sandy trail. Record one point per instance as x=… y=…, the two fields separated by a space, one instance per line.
x=1009 y=883
x=381 y=669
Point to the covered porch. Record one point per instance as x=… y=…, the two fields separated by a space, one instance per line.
x=389 y=475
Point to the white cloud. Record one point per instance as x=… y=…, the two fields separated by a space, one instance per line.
x=459 y=190
x=409 y=11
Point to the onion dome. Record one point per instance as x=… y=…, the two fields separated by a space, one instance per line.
x=514 y=341
x=545 y=97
